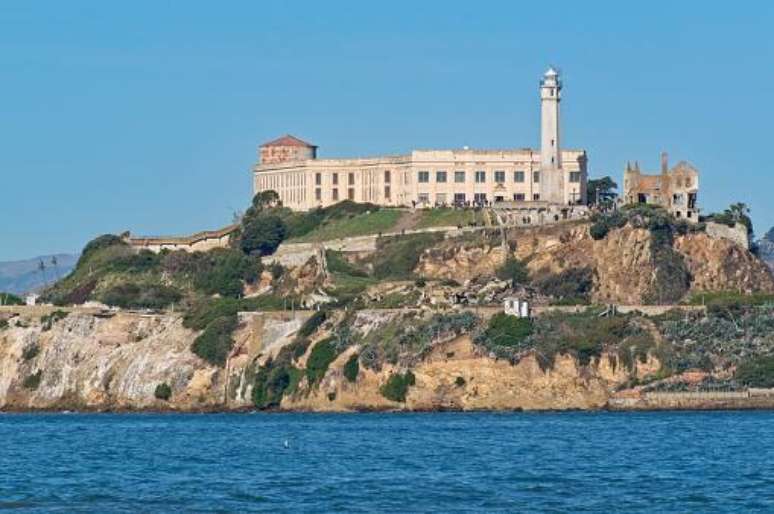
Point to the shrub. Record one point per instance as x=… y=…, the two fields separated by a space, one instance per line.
x=145 y=296
x=3 y=324
x=48 y=320
x=397 y=386
x=352 y=368
x=396 y=257
x=572 y=284
x=420 y=282
x=139 y=262
x=513 y=270
x=30 y=352
x=262 y=234
x=97 y=244
x=338 y=264
x=758 y=372
x=10 y=299
x=225 y=272
x=459 y=382
x=163 y=392
x=272 y=382
x=321 y=356
x=604 y=223
x=214 y=344
x=311 y=325
x=277 y=270
x=506 y=330
x=33 y=381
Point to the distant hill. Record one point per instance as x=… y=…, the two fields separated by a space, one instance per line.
x=23 y=276
x=766 y=248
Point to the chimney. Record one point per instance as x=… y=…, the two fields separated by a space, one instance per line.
x=664 y=162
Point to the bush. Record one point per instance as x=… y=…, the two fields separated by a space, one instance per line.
x=47 y=321
x=30 y=352
x=604 y=223
x=226 y=271
x=163 y=392
x=3 y=324
x=272 y=382
x=214 y=344
x=572 y=284
x=98 y=243
x=321 y=356
x=136 y=296
x=513 y=270
x=10 y=299
x=506 y=330
x=33 y=381
x=757 y=372
x=338 y=264
x=352 y=368
x=311 y=325
x=397 y=386
x=262 y=234
x=459 y=382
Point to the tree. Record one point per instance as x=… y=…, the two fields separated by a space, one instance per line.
x=262 y=234
x=513 y=270
x=601 y=191
x=266 y=199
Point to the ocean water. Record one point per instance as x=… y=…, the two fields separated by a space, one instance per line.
x=441 y=462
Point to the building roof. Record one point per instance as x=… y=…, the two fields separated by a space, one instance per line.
x=288 y=140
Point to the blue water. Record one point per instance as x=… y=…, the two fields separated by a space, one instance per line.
x=449 y=462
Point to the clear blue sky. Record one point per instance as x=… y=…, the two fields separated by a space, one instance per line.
x=146 y=115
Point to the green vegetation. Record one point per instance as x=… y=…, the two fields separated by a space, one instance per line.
x=10 y=299
x=163 y=392
x=314 y=322
x=214 y=344
x=30 y=352
x=48 y=320
x=138 y=296
x=735 y=213
x=223 y=271
x=513 y=270
x=272 y=382
x=396 y=257
x=321 y=356
x=3 y=324
x=506 y=331
x=33 y=381
x=397 y=386
x=366 y=223
x=262 y=234
x=338 y=264
x=756 y=372
x=601 y=191
x=570 y=287
x=459 y=382
x=449 y=217
x=352 y=368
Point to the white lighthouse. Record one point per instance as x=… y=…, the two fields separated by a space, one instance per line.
x=551 y=178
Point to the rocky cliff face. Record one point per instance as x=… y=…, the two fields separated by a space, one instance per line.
x=90 y=362
x=623 y=262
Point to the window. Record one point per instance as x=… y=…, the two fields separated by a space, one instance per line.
x=318 y=194
x=459 y=198
x=536 y=196
x=351 y=179
x=387 y=176
x=335 y=179
x=423 y=198
x=500 y=177
x=387 y=192
x=440 y=198
x=459 y=177
x=480 y=177
x=518 y=197
x=335 y=195
x=499 y=199
x=318 y=179
x=423 y=177
x=440 y=176
x=535 y=176
x=518 y=176
x=575 y=176
x=479 y=198
x=351 y=193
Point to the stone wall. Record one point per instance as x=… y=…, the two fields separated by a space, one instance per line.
x=737 y=233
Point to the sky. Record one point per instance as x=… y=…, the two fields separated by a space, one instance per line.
x=146 y=115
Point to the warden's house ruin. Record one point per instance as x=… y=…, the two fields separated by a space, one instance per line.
x=520 y=177
x=675 y=189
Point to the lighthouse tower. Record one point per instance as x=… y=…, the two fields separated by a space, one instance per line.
x=551 y=177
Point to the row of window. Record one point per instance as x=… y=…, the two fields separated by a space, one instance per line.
x=461 y=198
x=350 y=178
x=423 y=177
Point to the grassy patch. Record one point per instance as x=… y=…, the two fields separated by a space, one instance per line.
x=396 y=257
x=362 y=224
x=449 y=217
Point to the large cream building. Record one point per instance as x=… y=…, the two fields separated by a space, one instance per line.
x=525 y=177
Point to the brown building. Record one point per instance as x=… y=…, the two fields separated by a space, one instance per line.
x=674 y=189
